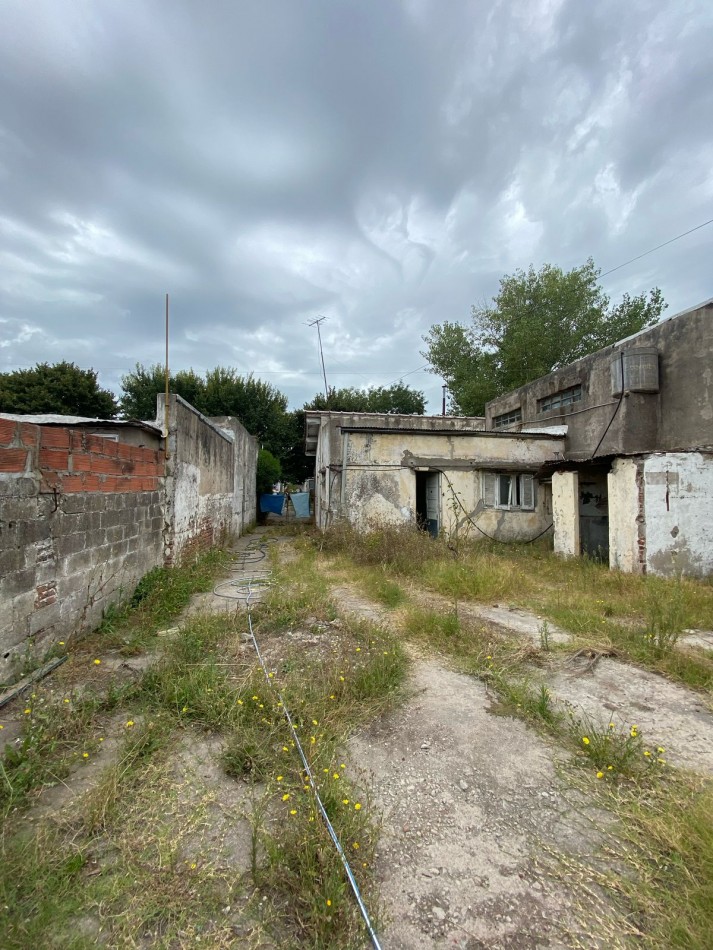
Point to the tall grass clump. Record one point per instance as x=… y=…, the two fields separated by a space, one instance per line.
x=398 y=548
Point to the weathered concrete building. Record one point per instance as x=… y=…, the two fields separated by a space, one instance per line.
x=635 y=482
x=445 y=473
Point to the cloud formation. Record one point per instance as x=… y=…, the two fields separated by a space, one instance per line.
x=383 y=164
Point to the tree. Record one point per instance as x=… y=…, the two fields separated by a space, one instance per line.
x=540 y=321
x=141 y=387
x=269 y=471
x=390 y=399
x=61 y=388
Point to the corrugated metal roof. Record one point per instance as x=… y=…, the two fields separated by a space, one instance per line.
x=55 y=419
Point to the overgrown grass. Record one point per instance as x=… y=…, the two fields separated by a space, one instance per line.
x=640 y=617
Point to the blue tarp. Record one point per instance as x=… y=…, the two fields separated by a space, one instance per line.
x=272 y=503
x=301 y=502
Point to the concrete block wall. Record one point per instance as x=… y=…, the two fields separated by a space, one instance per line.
x=81 y=521
x=245 y=449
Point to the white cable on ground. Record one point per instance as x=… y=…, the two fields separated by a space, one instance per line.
x=243 y=590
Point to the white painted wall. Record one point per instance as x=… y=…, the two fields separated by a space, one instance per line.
x=624 y=516
x=565 y=513
x=678 y=506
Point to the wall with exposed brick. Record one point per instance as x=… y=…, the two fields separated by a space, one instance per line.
x=81 y=521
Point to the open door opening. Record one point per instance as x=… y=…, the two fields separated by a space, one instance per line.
x=428 y=502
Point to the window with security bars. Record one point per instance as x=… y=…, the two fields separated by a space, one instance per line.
x=507 y=418
x=565 y=397
x=509 y=491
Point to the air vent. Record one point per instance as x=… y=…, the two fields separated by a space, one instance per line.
x=639 y=369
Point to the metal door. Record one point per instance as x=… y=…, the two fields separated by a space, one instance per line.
x=433 y=503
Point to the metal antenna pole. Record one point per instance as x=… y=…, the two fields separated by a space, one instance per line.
x=315 y=323
x=165 y=408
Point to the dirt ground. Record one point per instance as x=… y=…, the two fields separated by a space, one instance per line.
x=472 y=802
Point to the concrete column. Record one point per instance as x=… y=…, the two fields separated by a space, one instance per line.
x=565 y=513
x=625 y=517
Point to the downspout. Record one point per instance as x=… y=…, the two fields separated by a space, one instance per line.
x=345 y=450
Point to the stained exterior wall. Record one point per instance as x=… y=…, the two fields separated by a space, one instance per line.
x=80 y=523
x=677 y=418
x=245 y=450
x=678 y=499
x=626 y=522
x=199 y=481
x=565 y=513
x=369 y=476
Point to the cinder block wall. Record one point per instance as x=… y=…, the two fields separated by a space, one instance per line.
x=81 y=521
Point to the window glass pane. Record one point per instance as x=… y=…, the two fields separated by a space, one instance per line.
x=504 y=492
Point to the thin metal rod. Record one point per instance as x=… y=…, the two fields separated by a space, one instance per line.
x=165 y=405
x=316 y=323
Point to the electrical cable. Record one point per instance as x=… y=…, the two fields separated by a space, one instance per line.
x=618 y=405
x=657 y=248
x=243 y=590
x=477 y=528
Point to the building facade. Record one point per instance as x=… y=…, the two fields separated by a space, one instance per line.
x=635 y=482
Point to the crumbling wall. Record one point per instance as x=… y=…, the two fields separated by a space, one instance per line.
x=199 y=481
x=80 y=523
x=245 y=449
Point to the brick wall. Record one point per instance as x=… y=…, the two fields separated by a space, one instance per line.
x=81 y=521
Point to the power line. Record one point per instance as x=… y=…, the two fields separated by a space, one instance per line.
x=315 y=323
x=657 y=248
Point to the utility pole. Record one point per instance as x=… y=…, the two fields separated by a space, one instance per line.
x=315 y=323
x=444 y=399
x=165 y=408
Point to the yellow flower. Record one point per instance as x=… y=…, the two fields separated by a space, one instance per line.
x=312 y=740
x=332 y=696
x=610 y=768
x=345 y=801
x=336 y=775
x=256 y=698
x=185 y=709
x=341 y=679
x=356 y=846
x=342 y=765
x=97 y=662
x=85 y=755
x=612 y=725
x=61 y=643
x=647 y=753
x=285 y=749
x=270 y=675
x=585 y=740
x=600 y=774
x=101 y=738
x=329 y=903
x=279 y=778
x=661 y=761
x=1 y=726
x=293 y=811
x=129 y=724
x=285 y=796
x=358 y=650
x=28 y=711
x=314 y=722
x=386 y=652
x=634 y=732
x=240 y=702
x=660 y=749
x=357 y=807
x=193 y=866
x=66 y=700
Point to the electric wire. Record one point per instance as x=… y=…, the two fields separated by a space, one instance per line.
x=657 y=248
x=243 y=589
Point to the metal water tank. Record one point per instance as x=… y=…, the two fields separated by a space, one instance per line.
x=635 y=371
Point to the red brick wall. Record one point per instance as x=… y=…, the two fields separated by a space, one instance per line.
x=72 y=460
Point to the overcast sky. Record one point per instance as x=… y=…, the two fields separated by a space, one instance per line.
x=382 y=163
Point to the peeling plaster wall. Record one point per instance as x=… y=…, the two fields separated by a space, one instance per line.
x=380 y=486
x=678 y=501
x=245 y=451
x=625 y=517
x=565 y=511
x=199 y=481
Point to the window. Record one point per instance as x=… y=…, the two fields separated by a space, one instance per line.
x=511 y=491
x=565 y=397
x=507 y=418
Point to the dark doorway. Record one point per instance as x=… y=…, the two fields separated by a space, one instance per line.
x=428 y=502
x=594 y=513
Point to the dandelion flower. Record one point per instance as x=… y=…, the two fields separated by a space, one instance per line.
x=332 y=696
x=129 y=724
x=634 y=732
x=28 y=711
x=256 y=698
x=240 y=702
x=66 y=700
x=660 y=749
x=185 y=709
x=600 y=774
x=585 y=740
x=101 y=738
x=61 y=643
x=279 y=778
x=193 y=866
x=342 y=765
x=293 y=811
x=336 y=776
x=341 y=679
x=329 y=903
x=85 y=755
x=661 y=761
x=612 y=725
x=286 y=796
x=358 y=650
x=647 y=753
x=345 y=801
x=312 y=740
x=357 y=807
x=314 y=722
x=97 y=662
x=270 y=675
x=1 y=726
x=610 y=768
x=356 y=846
x=285 y=749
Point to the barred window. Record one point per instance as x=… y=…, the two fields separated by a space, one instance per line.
x=565 y=397
x=507 y=418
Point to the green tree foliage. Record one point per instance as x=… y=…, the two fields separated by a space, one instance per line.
x=269 y=471
x=61 y=388
x=140 y=388
x=387 y=399
x=540 y=321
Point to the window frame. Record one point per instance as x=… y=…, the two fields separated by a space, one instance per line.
x=518 y=487
x=561 y=399
x=509 y=418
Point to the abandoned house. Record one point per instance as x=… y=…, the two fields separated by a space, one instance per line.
x=634 y=482
x=445 y=473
